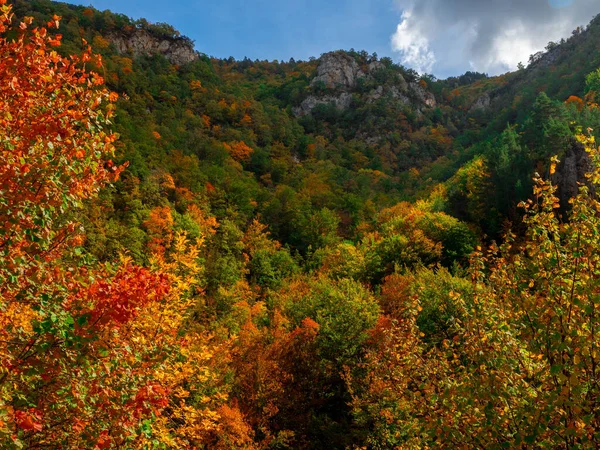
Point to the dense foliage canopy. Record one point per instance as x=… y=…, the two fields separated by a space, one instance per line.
x=188 y=262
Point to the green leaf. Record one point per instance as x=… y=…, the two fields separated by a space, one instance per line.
x=82 y=320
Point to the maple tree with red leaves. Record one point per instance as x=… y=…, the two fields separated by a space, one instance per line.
x=91 y=356
x=259 y=280
x=70 y=374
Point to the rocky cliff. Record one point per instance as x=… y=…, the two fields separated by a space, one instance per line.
x=142 y=43
x=339 y=76
x=338 y=70
x=571 y=173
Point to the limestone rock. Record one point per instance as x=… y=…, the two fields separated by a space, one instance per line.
x=393 y=91
x=375 y=94
x=422 y=94
x=482 y=103
x=341 y=102
x=402 y=85
x=338 y=70
x=142 y=43
x=340 y=73
x=375 y=66
x=570 y=173
x=399 y=93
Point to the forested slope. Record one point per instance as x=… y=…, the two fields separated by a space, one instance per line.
x=290 y=254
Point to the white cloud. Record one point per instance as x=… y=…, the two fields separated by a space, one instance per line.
x=412 y=44
x=447 y=37
x=512 y=46
x=517 y=41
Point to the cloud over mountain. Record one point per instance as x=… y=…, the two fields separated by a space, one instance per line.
x=444 y=36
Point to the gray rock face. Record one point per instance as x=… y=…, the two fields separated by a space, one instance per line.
x=341 y=102
x=142 y=43
x=401 y=84
x=375 y=66
x=547 y=59
x=570 y=173
x=395 y=92
x=482 y=103
x=338 y=70
x=422 y=94
x=375 y=94
x=399 y=93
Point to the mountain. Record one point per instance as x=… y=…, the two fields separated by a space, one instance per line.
x=291 y=255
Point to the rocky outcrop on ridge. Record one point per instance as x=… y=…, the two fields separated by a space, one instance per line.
x=339 y=76
x=571 y=173
x=338 y=70
x=142 y=43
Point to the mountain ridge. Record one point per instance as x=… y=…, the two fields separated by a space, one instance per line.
x=368 y=114
x=189 y=260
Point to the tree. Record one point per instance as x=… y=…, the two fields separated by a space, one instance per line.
x=83 y=346
x=592 y=85
x=289 y=374
x=546 y=130
x=518 y=366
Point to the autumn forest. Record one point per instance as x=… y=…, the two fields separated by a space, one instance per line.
x=339 y=253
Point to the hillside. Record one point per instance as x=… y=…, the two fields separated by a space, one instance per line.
x=271 y=255
x=387 y=134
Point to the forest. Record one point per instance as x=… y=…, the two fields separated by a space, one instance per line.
x=203 y=253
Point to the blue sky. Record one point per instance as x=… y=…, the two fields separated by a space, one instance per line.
x=444 y=37
x=271 y=29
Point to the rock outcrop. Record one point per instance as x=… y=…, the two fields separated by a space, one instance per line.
x=423 y=95
x=337 y=70
x=395 y=92
x=482 y=103
x=570 y=173
x=343 y=101
x=340 y=74
x=142 y=43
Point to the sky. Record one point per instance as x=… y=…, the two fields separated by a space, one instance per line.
x=443 y=37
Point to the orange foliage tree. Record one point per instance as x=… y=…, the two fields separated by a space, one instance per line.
x=87 y=352
x=574 y=100
x=239 y=151
x=159 y=226
x=517 y=363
